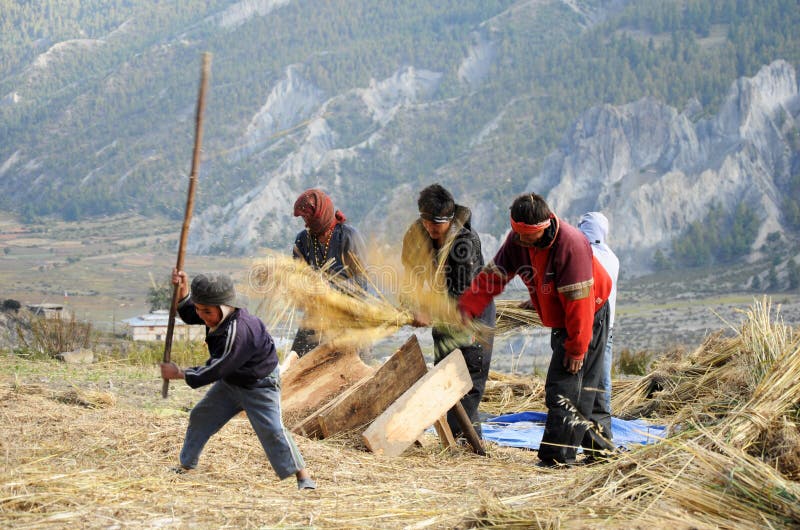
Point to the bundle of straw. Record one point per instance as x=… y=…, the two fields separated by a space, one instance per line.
x=512 y=393
x=683 y=483
x=746 y=387
x=90 y=399
x=512 y=317
x=344 y=313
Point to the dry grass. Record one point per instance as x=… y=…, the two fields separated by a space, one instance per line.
x=343 y=313
x=733 y=407
x=507 y=393
x=102 y=461
x=71 y=466
x=511 y=317
x=38 y=335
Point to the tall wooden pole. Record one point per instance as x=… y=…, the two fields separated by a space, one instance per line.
x=187 y=217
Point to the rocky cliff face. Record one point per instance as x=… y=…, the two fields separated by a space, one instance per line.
x=651 y=168
x=263 y=216
x=654 y=169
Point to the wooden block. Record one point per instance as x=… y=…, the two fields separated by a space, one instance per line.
x=362 y=402
x=310 y=426
x=319 y=375
x=444 y=432
x=419 y=407
x=404 y=368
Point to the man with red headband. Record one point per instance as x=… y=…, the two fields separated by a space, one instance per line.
x=569 y=290
x=326 y=242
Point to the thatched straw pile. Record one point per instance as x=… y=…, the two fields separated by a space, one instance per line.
x=506 y=393
x=732 y=462
x=745 y=387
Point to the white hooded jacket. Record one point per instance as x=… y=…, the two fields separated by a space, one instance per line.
x=594 y=226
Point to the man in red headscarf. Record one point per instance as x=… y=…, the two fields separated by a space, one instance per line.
x=569 y=290
x=326 y=242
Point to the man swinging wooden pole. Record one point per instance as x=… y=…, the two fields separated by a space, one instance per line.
x=187 y=217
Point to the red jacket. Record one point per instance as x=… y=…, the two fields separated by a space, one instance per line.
x=567 y=285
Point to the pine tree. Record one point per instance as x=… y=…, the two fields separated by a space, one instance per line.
x=660 y=261
x=772 y=279
x=793 y=270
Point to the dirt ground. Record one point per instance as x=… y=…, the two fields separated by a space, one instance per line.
x=92 y=447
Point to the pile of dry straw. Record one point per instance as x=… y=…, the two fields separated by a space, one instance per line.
x=732 y=459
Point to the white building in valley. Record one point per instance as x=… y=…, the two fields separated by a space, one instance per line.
x=153 y=327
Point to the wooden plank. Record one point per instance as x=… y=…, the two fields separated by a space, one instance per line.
x=468 y=429
x=444 y=432
x=404 y=368
x=319 y=375
x=310 y=426
x=419 y=407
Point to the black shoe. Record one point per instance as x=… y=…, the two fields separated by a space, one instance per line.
x=553 y=464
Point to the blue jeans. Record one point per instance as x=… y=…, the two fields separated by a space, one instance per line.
x=605 y=378
x=263 y=408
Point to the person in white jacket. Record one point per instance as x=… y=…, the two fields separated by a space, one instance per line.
x=594 y=226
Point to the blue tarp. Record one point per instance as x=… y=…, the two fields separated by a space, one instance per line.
x=525 y=429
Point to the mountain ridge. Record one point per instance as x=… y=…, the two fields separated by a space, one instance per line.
x=374 y=99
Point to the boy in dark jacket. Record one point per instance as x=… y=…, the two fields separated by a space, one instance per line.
x=441 y=250
x=243 y=369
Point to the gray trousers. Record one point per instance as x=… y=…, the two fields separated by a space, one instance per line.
x=263 y=408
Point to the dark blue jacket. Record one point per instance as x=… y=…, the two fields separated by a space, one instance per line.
x=345 y=248
x=241 y=350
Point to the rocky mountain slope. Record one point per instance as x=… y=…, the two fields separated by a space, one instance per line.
x=597 y=104
x=654 y=169
x=651 y=168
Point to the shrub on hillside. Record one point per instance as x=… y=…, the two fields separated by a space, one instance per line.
x=634 y=363
x=51 y=336
x=10 y=305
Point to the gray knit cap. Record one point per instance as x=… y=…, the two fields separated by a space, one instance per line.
x=213 y=289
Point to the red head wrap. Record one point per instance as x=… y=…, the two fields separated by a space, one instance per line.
x=523 y=228
x=316 y=208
